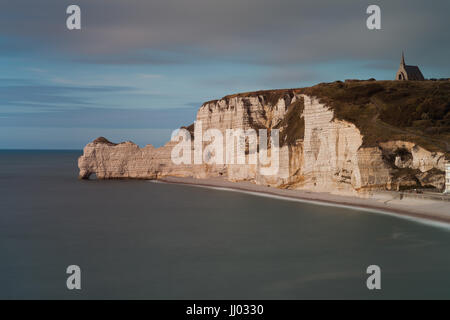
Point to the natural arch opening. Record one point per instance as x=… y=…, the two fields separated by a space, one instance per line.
x=86 y=175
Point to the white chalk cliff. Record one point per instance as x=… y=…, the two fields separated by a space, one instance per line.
x=318 y=151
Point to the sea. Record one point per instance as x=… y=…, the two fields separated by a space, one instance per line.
x=145 y=240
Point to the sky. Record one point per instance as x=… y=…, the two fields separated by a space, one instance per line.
x=137 y=70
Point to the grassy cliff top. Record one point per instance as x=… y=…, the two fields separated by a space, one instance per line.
x=416 y=111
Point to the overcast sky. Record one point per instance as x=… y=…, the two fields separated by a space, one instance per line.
x=139 y=69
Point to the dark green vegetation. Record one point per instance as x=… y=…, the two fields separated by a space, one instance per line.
x=416 y=111
x=190 y=128
x=292 y=127
x=103 y=140
x=271 y=97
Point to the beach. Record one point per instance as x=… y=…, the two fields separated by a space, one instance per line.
x=424 y=210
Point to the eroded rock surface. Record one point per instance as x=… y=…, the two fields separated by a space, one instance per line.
x=318 y=151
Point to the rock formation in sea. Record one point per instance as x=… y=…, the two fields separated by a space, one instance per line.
x=339 y=137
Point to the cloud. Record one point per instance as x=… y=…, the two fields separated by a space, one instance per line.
x=290 y=77
x=27 y=103
x=149 y=76
x=37 y=70
x=76 y=138
x=250 y=31
x=382 y=65
x=282 y=77
x=94 y=117
x=34 y=96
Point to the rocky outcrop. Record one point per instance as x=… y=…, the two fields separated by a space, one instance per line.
x=318 y=151
x=330 y=149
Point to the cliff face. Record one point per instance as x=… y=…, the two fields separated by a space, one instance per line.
x=321 y=148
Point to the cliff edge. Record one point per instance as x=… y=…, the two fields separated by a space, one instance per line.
x=351 y=136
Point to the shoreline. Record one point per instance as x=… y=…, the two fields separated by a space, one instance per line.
x=425 y=211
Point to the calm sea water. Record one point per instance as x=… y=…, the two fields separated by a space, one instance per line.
x=137 y=239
